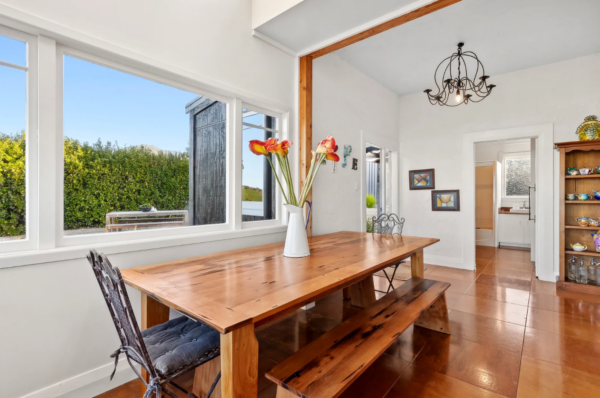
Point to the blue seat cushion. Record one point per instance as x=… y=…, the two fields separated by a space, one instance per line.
x=179 y=342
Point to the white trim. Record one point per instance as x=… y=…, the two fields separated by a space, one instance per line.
x=13 y=66
x=36 y=257
x=32 y=143
x=368 y=25
x=545 y=230
x=84 y=379
x=274 y=43
x=444 y=261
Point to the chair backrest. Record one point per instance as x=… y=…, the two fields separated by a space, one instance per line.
x=389 y=224
x=114 y=292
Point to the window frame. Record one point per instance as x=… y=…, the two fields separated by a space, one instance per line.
x=512 y=155
x=283 y=135
x=31 y=142
x=46 y=241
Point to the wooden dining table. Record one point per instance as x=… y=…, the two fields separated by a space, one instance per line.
x=236 y=291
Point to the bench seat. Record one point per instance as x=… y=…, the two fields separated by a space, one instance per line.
x=328 y=365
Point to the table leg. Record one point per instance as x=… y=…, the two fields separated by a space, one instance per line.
x=153 y=313
x=416 y=264
x=239 y=363
x=362 y=293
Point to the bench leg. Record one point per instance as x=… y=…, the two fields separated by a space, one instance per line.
x=362 y=294
x=283 y=393
x=436 y=316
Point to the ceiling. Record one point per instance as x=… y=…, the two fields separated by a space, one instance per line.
x=313 y=21
x=506 y=35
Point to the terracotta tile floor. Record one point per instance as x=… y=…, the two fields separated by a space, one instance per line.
x=512 y=336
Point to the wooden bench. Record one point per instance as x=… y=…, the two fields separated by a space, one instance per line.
x=127 y=220
x=328 y=366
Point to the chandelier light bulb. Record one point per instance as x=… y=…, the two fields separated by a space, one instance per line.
x=458 y=96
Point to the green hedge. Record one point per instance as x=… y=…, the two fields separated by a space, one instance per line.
x=99 y=178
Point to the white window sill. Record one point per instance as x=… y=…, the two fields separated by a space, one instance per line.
x=17 y=259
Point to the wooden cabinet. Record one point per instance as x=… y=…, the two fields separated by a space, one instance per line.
x=514 y=230
x=578 y=154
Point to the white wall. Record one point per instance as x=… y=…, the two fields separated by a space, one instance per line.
x=346 y=102
x=55 y=329
x=431 y=137
x=265 y=10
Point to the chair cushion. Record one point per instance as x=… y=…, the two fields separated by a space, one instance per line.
x=179 y=342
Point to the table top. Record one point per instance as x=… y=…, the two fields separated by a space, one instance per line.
x=231 y=289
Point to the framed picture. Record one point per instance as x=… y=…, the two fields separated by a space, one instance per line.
x=448 y=200
x=422 y=179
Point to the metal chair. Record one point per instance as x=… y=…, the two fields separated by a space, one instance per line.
x=165 y=351
x=388 y=224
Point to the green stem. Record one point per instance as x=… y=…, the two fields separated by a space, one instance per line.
x=277 y=177
x=312 y=179
x=291 y=182
x=308 y=177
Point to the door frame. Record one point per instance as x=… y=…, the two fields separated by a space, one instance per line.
x=385 y=144
x=495 y=204
x=545 y=230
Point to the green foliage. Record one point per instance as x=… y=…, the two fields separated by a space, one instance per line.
x=369 y=225
x=98 y=179
x=12 y=184
x=102 y=178
x=251 y=194
x=371 y=201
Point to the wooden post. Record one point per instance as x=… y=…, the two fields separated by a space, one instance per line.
x=153 y=313
x=239 y=363
x=204 y=377
x=305 y=125
x=416 y=264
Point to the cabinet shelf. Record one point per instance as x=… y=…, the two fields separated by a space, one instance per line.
x=580 y=176
x=582 y=202
x=584 y=228
x=578 y=287
x=589 y=253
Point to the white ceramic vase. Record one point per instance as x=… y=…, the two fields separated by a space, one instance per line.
x=296 y=242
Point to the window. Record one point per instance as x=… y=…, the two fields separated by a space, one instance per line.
x=516 y=175
x=15 y=141
x=139 y=155
x=259 y=186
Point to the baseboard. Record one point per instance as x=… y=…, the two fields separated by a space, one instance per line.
x=88 y=384
x=444 y=261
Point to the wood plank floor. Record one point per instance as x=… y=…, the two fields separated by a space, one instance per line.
x=512 y=336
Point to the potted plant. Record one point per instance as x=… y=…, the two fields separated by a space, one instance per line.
x=296 y=243
x=145 y=207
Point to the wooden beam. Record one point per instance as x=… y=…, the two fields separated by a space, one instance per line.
x=306 y=84
x=375 y=30
x=305 y=128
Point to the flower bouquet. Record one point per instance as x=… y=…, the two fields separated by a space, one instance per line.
x=296 y=243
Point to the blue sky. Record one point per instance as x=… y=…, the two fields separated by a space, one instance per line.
x=102 y=103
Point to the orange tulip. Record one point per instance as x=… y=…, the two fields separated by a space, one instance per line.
x=333 y=157
x=258 y=147
x=328 y=147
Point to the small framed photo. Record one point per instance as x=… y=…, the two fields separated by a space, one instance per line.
x=422 y=179
x=448 y=200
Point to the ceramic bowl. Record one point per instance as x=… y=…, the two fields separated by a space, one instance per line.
x=578 y=247
x=583 y=221
x=571 y=196
x=585 y=172
x=572 y=171
x=583 y=196
x=597 y=169
x=594 y=223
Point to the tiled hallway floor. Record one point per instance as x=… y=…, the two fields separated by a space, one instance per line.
x=512 y=336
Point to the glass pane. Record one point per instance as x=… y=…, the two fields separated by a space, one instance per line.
x=259 y=119
x=259 y=186
x=127 y=153
x=13 y=122
x=373 y=180
x=13 y=51
x=518 y=176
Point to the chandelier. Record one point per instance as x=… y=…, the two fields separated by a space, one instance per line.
x=454 y=85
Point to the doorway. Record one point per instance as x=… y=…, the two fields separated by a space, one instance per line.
x=528 y=197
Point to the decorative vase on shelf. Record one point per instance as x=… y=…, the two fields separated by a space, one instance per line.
x=296 y=242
